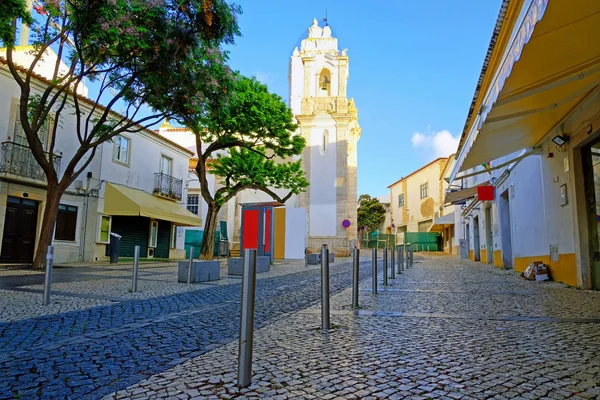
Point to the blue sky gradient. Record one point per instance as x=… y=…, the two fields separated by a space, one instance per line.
x=413 y=68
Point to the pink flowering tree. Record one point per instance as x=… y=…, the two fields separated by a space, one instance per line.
x=135 y=55
x=246 y=139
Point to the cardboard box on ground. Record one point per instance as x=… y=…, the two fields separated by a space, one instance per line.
x=538 y=271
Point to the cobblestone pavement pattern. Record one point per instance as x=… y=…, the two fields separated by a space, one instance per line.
x=446 y=329
x=93 y=352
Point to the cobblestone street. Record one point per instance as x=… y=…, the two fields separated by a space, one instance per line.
x=445 y=329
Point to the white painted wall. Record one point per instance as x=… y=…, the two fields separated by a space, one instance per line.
x=296 y=237
x=323 y=194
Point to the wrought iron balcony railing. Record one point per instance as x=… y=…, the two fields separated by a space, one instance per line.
x=168 y=186
x=17 y=159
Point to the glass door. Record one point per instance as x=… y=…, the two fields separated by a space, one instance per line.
x=591 y=169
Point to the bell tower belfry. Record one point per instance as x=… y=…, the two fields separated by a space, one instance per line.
x=328 y=120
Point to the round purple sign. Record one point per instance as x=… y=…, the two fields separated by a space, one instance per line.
x=346 y=223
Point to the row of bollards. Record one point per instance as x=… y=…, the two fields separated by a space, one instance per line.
x=405 y=260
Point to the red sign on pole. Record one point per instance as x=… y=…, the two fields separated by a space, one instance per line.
x=485 y=193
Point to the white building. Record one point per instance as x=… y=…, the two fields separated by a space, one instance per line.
x=133 y=187
x=535 y=119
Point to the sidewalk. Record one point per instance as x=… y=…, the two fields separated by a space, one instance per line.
x=79 y=287
x=446 y=329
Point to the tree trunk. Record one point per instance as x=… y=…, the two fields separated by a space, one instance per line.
x=210 y=228
x=53 y=196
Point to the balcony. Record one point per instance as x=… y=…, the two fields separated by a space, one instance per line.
x=167 y=186
x=16 y=159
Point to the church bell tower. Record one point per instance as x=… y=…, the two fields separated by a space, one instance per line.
x=328 y=120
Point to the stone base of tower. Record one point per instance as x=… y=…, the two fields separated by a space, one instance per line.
x=341 y=247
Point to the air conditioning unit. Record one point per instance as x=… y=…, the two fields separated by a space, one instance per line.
x=150 y=252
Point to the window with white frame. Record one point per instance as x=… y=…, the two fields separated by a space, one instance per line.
x=424 y=190
x=401 y=200
x=193 y=203
x=19 y=133
x=153 y=234
x=104 y=229
x=122 y=149
x=66 y=223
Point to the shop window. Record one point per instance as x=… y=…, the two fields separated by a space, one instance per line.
x=153 y=234
x=104 y=231
x=66 y=223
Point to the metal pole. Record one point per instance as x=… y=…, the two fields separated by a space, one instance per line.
x=412 y=256
x=48 y=282
x=374 y=269
x=136 y=266
x=306 y=256
x=407 y=256
x=385 y=266
x=325 y=317
x=393 y=263
x=247 y=319
x=355 y=274
x=190 y=262
x=400 y=259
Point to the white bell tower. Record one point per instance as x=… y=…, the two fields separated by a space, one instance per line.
x=329 y=123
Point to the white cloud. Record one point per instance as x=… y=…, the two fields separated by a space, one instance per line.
x=435 y=144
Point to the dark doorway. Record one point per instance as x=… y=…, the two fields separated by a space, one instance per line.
x=505 y=227
x=591 y=168
x=476 y=245
x=18 y=241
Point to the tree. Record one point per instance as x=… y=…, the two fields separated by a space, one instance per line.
x=371 y=213
x=246 y=140
x=138 y=52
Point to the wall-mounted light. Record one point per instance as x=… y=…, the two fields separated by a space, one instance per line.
x=560 y=140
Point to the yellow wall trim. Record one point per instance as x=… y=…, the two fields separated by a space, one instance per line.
x=471 y=255
x=483 y=256
x=564 y=270
x=279 y=234
x=498 y=259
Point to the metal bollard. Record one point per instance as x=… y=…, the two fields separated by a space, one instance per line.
x=374 y=269
x=400 y=259
x=385 y=266
x=412 y=254
x=48 y=281
x=393 y=264
x=355 y=275
x=136 y=266
x=325 y=317
x=247 y=319
x=306 y=256
x=190 y=263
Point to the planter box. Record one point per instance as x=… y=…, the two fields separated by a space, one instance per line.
x=202 y=271
x=235 y=265
x=315 y=258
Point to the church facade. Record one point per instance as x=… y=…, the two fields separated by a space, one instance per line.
x=328 y=120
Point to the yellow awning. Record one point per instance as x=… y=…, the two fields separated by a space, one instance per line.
x=439 y=224
x=553 y=74
x=122 y=200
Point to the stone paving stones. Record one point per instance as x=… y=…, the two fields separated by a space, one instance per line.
x=446 y=334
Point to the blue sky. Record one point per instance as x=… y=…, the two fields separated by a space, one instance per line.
x=413 y=70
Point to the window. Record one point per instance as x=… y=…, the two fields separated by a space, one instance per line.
x=173 y=236
x=166 y=165
x=104 y=231
x=424 y=190
x=192 y=203
x=324 y=142
x=153 y=234
x=401 y=200
x=19 y=133
x=121 y=150
x=66 y=223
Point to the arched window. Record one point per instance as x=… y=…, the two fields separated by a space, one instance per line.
x=325 y=82
x=324 y=142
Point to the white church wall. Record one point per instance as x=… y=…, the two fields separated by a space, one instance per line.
x=323 y=198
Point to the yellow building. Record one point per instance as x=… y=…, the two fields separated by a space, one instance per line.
x=416 y=203
x=535 y=123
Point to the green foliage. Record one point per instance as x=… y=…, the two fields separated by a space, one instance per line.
x=371 y=213
x=10 y=11
x=251 y=169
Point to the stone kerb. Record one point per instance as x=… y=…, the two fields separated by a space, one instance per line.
x=235 y=265
x=202 y=271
